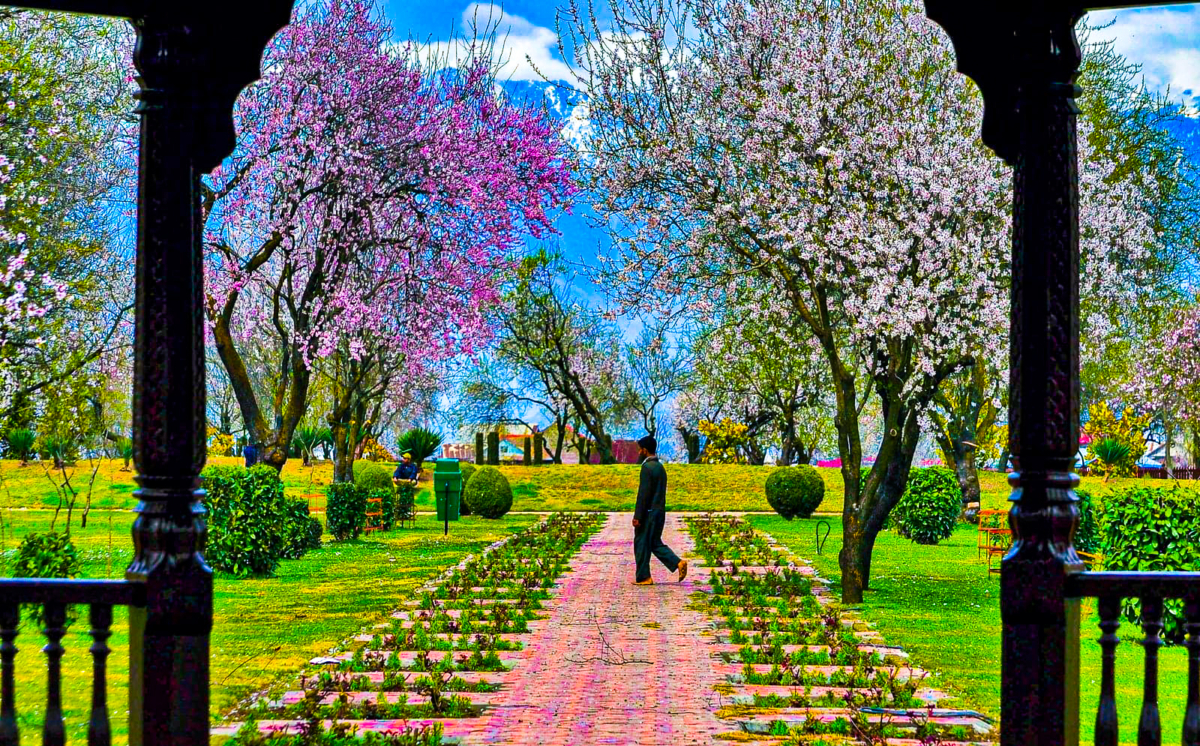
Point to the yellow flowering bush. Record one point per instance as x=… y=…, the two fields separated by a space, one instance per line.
x=1127 y=430
x=373 y=450
x=219 y=444
x=723 y=441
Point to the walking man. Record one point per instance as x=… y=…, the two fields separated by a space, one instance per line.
x=650 y=514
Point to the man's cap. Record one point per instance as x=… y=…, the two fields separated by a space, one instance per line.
x=649 y=443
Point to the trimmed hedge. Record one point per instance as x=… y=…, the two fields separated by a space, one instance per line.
x=301 y=532
x=1087 y=535
x=467 y=470
x=795 y=491
x=1152 y=529
x=488 y=494
x=345 y=510
x=248 y=519
x=929 y=508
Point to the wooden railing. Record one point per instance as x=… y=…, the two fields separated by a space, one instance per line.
x=54 y=596
x=1152 y=589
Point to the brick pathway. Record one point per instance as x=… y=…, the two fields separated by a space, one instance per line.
x=614 y=663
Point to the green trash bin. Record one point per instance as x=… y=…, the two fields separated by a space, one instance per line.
x=447 y=488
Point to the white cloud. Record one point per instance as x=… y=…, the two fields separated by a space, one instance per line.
x=523 y=50
x=1164 y=41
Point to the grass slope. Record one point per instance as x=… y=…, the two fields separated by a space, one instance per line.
x=263 y=630
x=941 y=605
x=699 y=487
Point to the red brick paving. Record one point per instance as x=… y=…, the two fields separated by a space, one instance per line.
x=615 y=663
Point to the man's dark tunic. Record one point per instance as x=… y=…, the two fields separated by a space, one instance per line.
x=651 y=513
x=407 y=471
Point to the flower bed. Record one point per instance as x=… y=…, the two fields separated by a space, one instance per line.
x=443 y=656
x=798 y=668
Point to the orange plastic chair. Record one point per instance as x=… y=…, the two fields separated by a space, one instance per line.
x=993 y=532
x=374 y=515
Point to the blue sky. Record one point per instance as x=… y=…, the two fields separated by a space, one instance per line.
x=1166 y=41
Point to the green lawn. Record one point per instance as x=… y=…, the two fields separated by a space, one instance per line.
x=265 y=630
x=941 y=605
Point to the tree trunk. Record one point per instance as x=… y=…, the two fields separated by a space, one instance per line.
x=787 y=446
x=691 y=442
x=866 y=504
x=804 y=454
x=968 y=476
x=854 y=560
x=1169 y=438
x=559 y=438
x=343 y=455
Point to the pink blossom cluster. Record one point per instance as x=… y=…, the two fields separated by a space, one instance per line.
x=1167 y=375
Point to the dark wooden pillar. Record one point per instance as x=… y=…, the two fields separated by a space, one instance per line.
x=1024 y=56
x=1040 y=659
x=169 y=636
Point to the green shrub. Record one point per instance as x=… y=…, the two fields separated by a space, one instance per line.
x=467 y=470
x=249 y=520
x=19 y=443
x=420 y=442
x=930 y=506
x=1087 y=535
x=371 y=476
x=488 y=494
x=298 y=529
x=1152 y=529
x=795 y=491
x=48 y=555
x=345 y=510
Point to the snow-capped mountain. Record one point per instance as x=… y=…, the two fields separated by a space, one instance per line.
x=563 y=103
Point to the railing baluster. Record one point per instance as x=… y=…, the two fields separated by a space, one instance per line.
x=53 y=730
x=1106 y=716
x=1191 y=718
x=1149 y=726
x=10 y=618
x=100 y=616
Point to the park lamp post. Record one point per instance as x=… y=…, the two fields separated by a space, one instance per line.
x=192 y=59
x=1025 y=58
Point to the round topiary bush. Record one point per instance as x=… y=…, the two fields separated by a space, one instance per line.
x=371 y=476
x=467 y=470
x=795 y=491
x=930 y=506
x=488 y=494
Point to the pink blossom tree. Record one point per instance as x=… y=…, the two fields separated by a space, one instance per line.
x=369 y=212
x=1166 y=382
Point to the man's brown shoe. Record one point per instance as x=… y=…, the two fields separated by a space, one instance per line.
x=682 y=570
x=644 y=582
